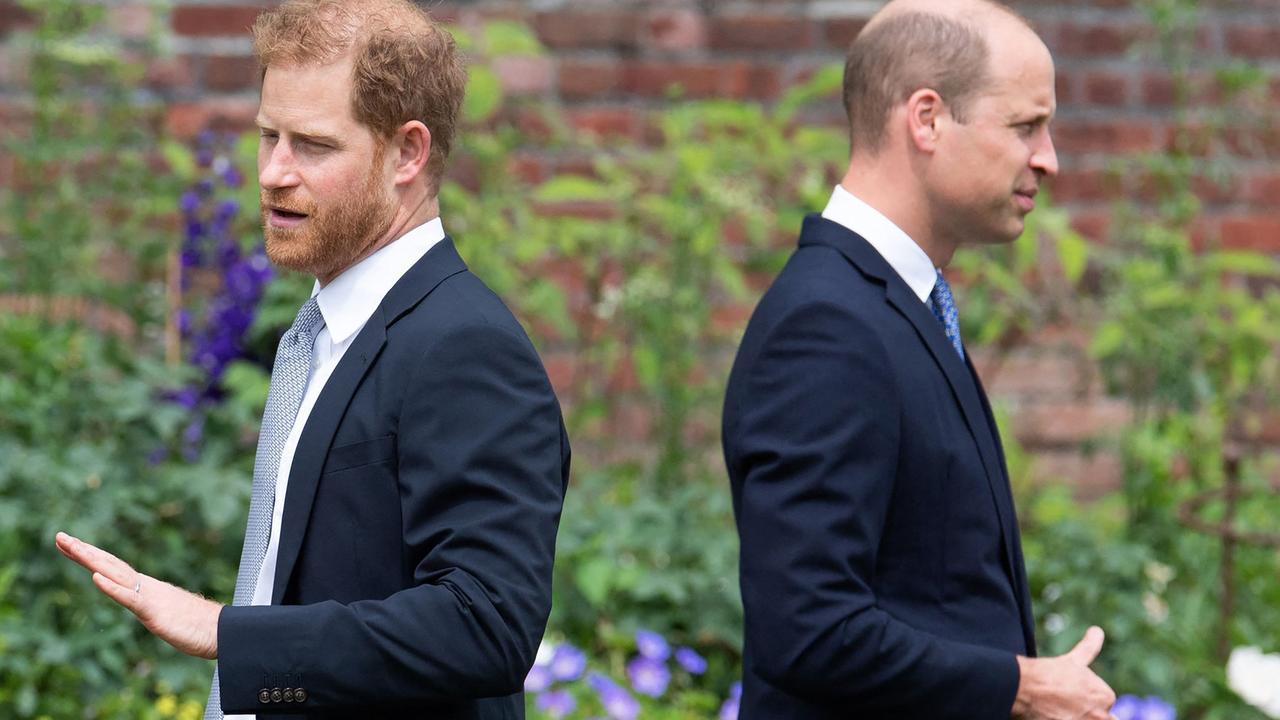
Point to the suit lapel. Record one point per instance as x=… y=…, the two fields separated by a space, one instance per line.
x=818 y=230
x=317 y=436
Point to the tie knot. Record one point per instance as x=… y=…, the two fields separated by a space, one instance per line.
x=308 y=318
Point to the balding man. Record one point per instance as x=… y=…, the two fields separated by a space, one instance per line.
x=412 y=460
x=881 y=566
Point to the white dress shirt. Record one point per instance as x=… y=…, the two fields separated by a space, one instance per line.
x=346 y=304
x=895 y=246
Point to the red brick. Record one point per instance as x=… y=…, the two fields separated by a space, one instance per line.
x=1095 y=225
x=131 y=21
x=1039 y=374
x=13 y=17
x=1095 y=40
x=528 y=167
x=1090 y=475
x=1261 y=142
x=1253 y=41
x=731 y=320
x=173 y=72
x=580 y=79
x=1067 y=88
x=754 y=32
x=1109 y=136
x=186 y=120
x=736 y=79
x=1262 y=189
x=605 y=121
x=230 y=72
x=839 y=33
x=589 y=210
x=1071 y=422
x=587 y=29
x=1259 y=232
x=1159 y=90
x=1106 y=88
x=1085 y=185
x=212 y=20
x=561 y=370
x=675 y=29
x=523 y=75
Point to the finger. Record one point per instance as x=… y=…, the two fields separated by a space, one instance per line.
x=1086 y=651
x=96 y=559
x=123 y=595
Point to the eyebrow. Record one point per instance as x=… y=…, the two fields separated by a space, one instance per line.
x=310 y=136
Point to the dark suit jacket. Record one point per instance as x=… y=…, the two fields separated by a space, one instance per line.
x=881 y=568
x=414 y=568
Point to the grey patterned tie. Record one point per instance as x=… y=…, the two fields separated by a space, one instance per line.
x=289 y=378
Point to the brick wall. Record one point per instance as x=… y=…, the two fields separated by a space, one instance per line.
x=612 y=61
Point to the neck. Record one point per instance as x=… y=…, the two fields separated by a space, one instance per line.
x=880 y=184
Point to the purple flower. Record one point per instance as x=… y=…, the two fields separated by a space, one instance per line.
x=557 y=703
x=187 y=397
x=691 y=661
x=652 y=645
x=232 y=177
x=183 y=320
x=600 y=682
x=189 y=202
x=618 y=703
x=568 y=662
x=538 y=679
x=1132 y=707
x=157 y=456
x=648 y=676
x=729 y=710
x=204 y=157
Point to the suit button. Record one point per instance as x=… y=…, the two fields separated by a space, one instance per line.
x=276 y=695
x=264 y=696
x=288 y=694
x=300 y=695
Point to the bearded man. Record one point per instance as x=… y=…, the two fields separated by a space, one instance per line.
x=412 y=460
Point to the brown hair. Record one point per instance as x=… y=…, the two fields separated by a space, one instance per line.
x=899 y=55
x=406 y=67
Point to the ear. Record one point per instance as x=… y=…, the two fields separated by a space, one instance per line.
x=926 y=112
x=412 y=147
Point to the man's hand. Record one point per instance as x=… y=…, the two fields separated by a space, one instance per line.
x=1063 y=687
x=182 y=619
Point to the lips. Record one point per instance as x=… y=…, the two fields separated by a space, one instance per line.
x=1026 y=198
x=285 y=217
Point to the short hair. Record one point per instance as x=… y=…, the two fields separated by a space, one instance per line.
x=892 y=59
x=406 y=67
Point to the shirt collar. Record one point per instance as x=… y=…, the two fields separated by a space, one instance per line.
x=349 y=301
x=895 y=246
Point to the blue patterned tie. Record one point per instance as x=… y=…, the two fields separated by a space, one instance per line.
x=289 y=378
x=944 y=308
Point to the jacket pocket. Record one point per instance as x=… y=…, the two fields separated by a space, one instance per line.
x=363 y=452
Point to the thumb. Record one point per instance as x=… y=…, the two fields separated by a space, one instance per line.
x=1089 y=646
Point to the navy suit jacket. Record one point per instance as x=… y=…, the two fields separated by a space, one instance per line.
x=881 y=567
x=414 y=568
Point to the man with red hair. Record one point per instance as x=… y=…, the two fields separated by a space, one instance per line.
x=412 y=460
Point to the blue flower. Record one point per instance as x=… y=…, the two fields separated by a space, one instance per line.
x=568 y=662
x=1132 y=707
x=538 y=679
x=648 y=676
x=691 y=661
x=729 y=710
x=232 y=177
x=652 y=645
x=557 y=703
x=618 y=703
x=189 y=202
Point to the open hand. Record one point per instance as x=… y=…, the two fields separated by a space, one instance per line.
x=181 y=618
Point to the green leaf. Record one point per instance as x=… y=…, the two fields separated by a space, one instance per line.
x=484 y=94
x=593 y=578
x=179 y=159
x=507 y=37
x=1073 y=255
x=571 y=188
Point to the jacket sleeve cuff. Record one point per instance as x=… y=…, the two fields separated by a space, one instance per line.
x=246 y=683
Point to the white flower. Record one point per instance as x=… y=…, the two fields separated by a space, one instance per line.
x=1255 y=677
x=545 y=651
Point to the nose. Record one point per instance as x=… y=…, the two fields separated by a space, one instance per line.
x=275 y=164
x=1045 y=159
